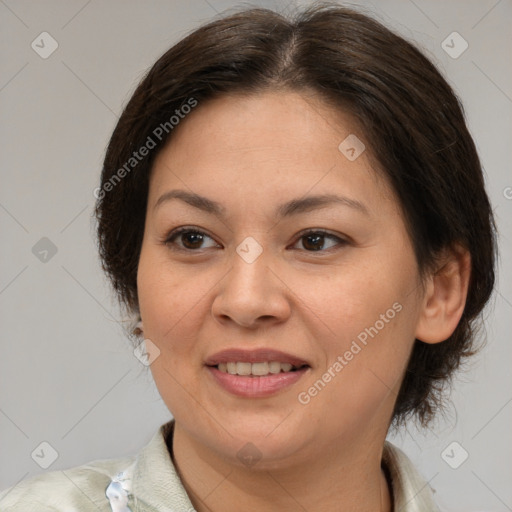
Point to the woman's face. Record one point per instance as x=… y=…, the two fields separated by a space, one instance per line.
x=294 y=253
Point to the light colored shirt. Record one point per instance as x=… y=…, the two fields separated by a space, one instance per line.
x=149 y=482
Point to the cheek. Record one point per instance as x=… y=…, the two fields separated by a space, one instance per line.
x=360 y=380
x=364 y=320
x=173 y=303
x=357 y=300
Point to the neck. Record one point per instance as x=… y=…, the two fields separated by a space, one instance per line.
x=348 y=479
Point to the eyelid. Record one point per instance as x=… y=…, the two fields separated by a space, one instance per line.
x=320 y=231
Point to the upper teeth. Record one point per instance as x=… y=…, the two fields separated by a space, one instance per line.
x=260 y=369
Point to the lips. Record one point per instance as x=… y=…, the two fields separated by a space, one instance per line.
x=254 y=356
x=255 y=373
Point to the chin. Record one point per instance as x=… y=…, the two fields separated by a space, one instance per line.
x=266 y=440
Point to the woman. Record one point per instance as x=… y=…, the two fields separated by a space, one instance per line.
x=294 y=213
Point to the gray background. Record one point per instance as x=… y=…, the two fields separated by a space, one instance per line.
x=67 y=373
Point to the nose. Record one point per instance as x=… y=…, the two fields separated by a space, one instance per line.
x=252 y=295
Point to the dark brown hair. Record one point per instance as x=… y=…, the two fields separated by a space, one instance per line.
x=411 y=121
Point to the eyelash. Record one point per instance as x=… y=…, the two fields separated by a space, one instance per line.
x=173 y=235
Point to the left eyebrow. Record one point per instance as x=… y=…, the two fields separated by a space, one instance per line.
x=306 y=204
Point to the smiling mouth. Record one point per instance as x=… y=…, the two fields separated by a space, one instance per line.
x=258 y=369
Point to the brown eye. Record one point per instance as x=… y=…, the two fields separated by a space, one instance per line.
x=319 y=241
x=192 y=240
x=313 y=242
x=189 y=239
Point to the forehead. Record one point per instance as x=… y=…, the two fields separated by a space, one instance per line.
x=264 y=145
x=261 y=122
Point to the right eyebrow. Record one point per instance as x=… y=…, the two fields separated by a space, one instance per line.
x=195 y=200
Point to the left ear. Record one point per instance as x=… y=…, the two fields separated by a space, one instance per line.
x=445 y=296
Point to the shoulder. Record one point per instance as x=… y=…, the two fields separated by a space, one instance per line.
x=411 y=493
x=78 y=489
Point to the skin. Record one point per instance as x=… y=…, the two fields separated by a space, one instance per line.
x=251 y=154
